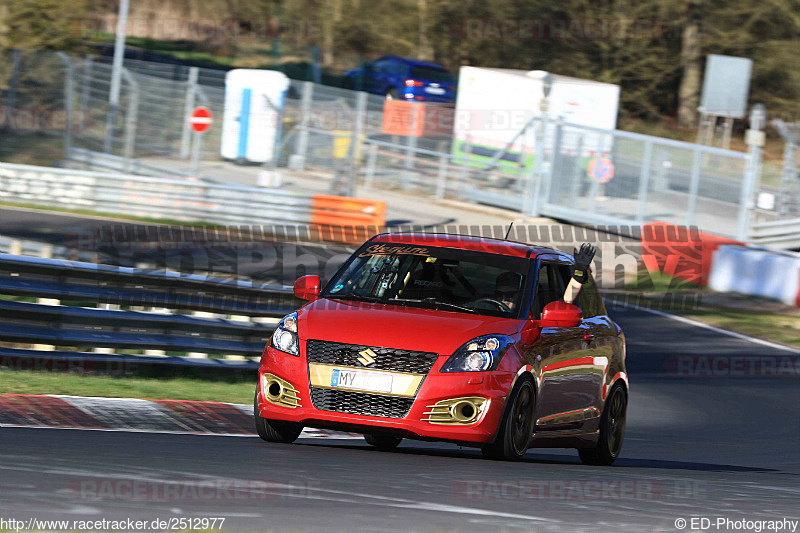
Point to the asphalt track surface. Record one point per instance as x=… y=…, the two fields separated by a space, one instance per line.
x=695 y=447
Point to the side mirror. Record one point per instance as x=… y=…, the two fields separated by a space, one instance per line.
x=560 y=315
x=307 y=288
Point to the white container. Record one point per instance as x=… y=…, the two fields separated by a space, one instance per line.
x=493 y=105
x=252 y=118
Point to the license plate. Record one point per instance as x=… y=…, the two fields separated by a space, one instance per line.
x=368 y=381
x=434 y=90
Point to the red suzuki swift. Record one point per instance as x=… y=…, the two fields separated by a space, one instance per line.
x=452 y=338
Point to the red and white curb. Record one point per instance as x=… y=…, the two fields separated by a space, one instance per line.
x=131 y=414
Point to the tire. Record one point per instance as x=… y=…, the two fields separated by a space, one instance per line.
x=612 y=430
x=391 y=94
x=383 y=442
x=516 y=427
x=274 y=430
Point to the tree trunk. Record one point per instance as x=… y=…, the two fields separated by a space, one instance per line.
x=425 y=50
x=691 y=41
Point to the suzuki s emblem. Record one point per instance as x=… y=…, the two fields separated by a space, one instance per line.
x=366 y=357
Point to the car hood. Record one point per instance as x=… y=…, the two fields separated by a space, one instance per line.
x=394 y=326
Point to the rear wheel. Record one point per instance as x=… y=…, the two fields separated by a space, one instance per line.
x=612 y=430
x=383 y=442
x=391 y=94
x=275 y=430
x=516 y=428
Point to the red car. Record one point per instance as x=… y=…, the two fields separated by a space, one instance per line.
x=451 y=338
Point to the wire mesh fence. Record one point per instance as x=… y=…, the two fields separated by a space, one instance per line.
x=550 y=168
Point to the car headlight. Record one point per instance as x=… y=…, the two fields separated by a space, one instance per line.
x=285 y=336
x=480 y=354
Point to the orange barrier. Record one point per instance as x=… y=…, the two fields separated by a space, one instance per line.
x=680 y=251
x=417 y=119
x=346 y=219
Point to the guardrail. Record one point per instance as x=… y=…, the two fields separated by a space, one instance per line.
x=189 y=199
x=251 y=310
x=783 y=234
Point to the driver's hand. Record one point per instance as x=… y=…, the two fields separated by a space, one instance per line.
x=583 y=258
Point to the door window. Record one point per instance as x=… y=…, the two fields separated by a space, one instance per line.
x=550 y=288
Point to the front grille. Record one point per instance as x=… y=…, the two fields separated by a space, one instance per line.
x=360 y=403
x=336 y=353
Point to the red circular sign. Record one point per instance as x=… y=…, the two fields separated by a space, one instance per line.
x=201 y=119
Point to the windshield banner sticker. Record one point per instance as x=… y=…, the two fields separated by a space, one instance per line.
x=384 y=249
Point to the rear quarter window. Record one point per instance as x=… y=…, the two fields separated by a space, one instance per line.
x=431 y=74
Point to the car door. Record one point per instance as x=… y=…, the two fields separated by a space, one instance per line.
x=602 y=343
x=564 y=358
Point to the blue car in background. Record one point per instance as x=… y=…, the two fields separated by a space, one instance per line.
x=405 y=79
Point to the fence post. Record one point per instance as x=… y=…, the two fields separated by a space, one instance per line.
x=555 y=164
x=298 y=160
x=86 y=85
x=130 y=119
x=466 y=149
x=788 y=175
x=644 y=181
x=411 y=142
x=531 y=201
x=694 y=186
x=11 y=100
x=441 y=177
x=188 y=106
x=372 y=159
x=355 y=142
x=69 y=72
x=755 y=141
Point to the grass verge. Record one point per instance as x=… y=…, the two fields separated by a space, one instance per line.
x=750 y=315
x=30 y=382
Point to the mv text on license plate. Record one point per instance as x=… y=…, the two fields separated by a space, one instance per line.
x=366 y=381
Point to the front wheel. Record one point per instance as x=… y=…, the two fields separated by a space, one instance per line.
x=516 y=428
x=391 y=94
x=275 y=430
x=383 y=442
x=612 y=430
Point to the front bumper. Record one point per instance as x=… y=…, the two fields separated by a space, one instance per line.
x=436 y=387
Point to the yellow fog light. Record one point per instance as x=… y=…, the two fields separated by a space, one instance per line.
x=278 y=391
x=458 y=411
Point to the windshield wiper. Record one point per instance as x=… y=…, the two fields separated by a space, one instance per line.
x=433 y=301
x=353 y=296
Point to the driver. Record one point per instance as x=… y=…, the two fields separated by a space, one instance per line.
x=506 y=287
x=508 y=284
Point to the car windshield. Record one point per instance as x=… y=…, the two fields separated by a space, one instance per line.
x=448 y=279
x=431 y=74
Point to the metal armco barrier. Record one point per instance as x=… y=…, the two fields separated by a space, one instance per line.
x=59 y=279
x=783 y=234
x=65 y=325
x=184 y=199
x=120 y=364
